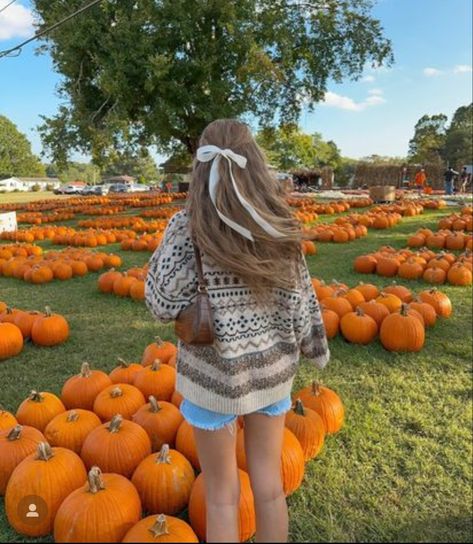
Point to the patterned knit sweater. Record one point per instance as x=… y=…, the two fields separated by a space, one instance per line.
x=256 y=351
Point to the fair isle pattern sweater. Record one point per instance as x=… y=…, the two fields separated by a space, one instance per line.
x=256 y=351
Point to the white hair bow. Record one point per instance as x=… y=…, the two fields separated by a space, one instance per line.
x=207 y=153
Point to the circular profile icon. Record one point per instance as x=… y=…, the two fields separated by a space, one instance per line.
x=32 y=510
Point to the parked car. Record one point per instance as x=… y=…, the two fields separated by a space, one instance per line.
x=119 y=188
x=137 y=188
x=69 y=190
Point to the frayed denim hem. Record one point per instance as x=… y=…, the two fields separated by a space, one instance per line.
x=206 y=420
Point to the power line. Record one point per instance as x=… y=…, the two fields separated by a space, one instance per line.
x=17 y=49
x=8 y=5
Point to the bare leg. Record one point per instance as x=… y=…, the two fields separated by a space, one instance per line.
x=263 y=444
x=217 y=456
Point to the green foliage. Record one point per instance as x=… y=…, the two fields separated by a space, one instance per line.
x=429 y=139
x=36 y=188
x=79 y=171
x=16 y=158
x=382 y=160
x=345 y=171
x=156 y=72
x=288 y=148
x=142 y=167
x=458 y=149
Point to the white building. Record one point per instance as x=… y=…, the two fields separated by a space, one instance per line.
x=26 y=184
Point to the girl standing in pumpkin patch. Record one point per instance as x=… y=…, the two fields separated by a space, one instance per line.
x=264 y=313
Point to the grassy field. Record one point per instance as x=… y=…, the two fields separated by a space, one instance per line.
x=17 y=198
x=401 y=468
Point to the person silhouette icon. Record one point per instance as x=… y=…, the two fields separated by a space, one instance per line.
x=32 y=513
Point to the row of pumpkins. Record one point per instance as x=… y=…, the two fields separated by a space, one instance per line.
x=140 y=456
x=61 y=265
x=414 y=265
x=395 y=314
x=17 y=326
x=442 y=239
x=127 y=284
x=458 y=221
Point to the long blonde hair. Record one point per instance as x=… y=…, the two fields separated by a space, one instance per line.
x=266 y=262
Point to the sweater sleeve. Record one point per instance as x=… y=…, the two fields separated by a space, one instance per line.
x=308 y=323
x=171 y=283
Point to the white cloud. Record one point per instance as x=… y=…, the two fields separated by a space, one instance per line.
x=367 y=79
x=462 y=69
x=334 y=100
x=15 y=22
x=432 y=72
x=378 y=92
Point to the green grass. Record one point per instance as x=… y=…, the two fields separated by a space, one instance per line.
x=23 y=197
x=400 y=469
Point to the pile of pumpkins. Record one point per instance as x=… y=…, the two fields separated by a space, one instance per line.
x=443 y=239
x=434 y=268
x=127 y=284
x=133 y=223
x=37 y=218
x=102 y=455
x=458 y=222
x=145 y=242
x=363 y=312
x=17 y=326
x=61 y=265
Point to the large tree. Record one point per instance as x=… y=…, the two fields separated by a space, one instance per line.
x=142 y=166
x=155 y=72
x=428 y=141
x=16 y=157
x=458 y=149
x=288 y=147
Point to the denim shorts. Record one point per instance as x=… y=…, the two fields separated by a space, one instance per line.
x=212 y=421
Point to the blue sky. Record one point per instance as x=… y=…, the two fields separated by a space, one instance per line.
x=432 y=42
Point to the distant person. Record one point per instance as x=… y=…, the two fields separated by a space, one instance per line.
x=405 y=182
x=449 y=177
x=169 y=186
x=420 y=179
x=464 y=179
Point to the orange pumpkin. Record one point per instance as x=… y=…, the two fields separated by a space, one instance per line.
x=7 y=420
x=308 y=428
x=438 y=300
x=125 y=372
x=358 y=328
x=80 y=391
x=198 y=511
x=185 y=443
x=39 y=409
x=326 y=403
x=70 y=429
x=120 y=398
x=402 y=332
x=11 y=340
x=118 y=446
x=161 y=529
x=158 y=380
x=164 y=481
x=50 y=474
x=161 y=349
x=50 y=329
x=160 y=420
x=86 y=515
x=16 y=444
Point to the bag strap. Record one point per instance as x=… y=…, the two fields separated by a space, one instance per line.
x=202 y=284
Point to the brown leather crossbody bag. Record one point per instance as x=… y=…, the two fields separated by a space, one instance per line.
x=194 y=324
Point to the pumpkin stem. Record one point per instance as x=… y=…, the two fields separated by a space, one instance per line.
x=315 y=388
x=299 y=408
x=35 y=396
x=115 y=423
x=404 y=309
x=160 y=528
x=116 y=392
x=95 y=481
x=359 y=311
x=72 y=416
x=123 y=363
x=44 y=452
x=156 y=364
x=48 y=311
x=85 y=370
x=15 y=433
x=154 y=406
x=163 y=455
x=159 y=341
